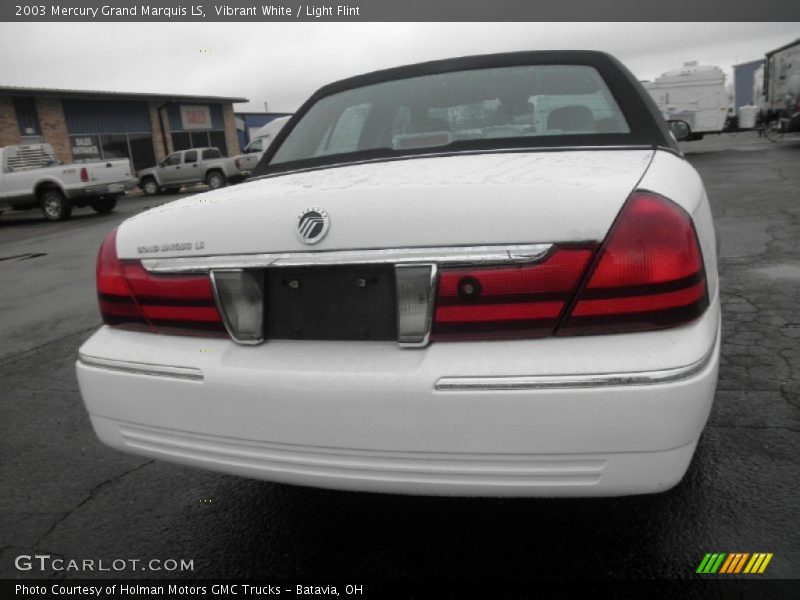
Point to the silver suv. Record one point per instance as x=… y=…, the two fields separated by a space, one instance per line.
x=189 y=167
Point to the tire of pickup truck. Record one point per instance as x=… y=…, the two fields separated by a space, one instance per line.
x=150 y=187
x=215 y=180
x=103 y=205
x=55 y=207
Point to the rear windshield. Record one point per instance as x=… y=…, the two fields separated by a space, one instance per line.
x=502 y=106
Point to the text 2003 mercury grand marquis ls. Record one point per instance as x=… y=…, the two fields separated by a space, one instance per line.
x=492 y=275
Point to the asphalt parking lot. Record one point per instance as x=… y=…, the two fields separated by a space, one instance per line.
x=66 y=495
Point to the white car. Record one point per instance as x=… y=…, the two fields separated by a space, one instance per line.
x=433 y=288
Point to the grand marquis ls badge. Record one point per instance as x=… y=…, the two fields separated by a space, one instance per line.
x=312 y=225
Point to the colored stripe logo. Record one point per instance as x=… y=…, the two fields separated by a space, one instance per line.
x=734 y=563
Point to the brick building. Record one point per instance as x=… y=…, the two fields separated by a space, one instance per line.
x=95 y=125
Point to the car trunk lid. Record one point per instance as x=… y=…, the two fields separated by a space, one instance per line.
x=468 y=199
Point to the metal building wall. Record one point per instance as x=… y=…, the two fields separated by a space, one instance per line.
x=101 y=116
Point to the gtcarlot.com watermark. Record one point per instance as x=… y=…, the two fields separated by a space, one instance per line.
x=48 y=563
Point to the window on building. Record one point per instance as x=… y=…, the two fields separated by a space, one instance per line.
x=27 y=117
x=142 y=153
x=137 y=147
x=211 y=153
x=199 y=139
x=185 y=140
x=110 y=129
x=85 y=147
x=181 y=140
x=114 y=146
x=216 y=139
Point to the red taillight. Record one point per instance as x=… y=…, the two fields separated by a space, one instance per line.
x=84 y=174
x=507 y=302
x=131 y=296
x=236 y=162
x=648 y=274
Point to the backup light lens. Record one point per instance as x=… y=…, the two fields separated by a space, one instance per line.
x=414 y=289
x=240 y=296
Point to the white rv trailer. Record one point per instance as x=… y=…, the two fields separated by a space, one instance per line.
x=759 y=93
x=695 y=94
x=781 y=87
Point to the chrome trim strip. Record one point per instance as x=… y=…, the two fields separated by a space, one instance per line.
x=138 y=368
x=545 y=382
x=431 y=304
x=442 y=255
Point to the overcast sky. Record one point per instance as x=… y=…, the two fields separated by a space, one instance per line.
x=283 y=63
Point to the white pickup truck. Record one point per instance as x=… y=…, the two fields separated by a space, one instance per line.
x=32 y=176
x=189 y=167
x=253 y=152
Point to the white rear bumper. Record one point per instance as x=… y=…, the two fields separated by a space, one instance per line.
x=368 y=416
